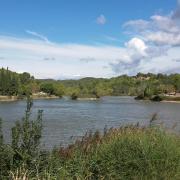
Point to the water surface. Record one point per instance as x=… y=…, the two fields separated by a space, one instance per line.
x=63 y=118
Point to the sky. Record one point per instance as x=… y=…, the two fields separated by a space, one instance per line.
x=68 y=39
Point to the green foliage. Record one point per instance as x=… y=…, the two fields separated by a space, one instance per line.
x=157 y=98
x=26 y=136
x=24 y=149
x=130 y=152
x=74 y=94
x=9 y=82
x=47 y=88
x=1 y=133
x=145 y=85
x=137 y=154
x=25 y=78
x=59 y=89
x=13 y=84
x=52 y=88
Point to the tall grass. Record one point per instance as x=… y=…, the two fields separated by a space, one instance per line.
x=130 y=152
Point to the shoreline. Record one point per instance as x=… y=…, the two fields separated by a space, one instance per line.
x=166 y=101
x=16 y=98
x=87 y=99
x=45 y=97
x=8 y=98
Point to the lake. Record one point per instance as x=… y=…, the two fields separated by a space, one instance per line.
x=65 y=120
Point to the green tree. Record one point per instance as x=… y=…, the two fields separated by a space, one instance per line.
x=47 y=88
x=59 y=89
x=25 y=78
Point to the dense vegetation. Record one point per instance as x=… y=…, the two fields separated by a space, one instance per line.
x=142 y=85
x=23 y=84
x=130 y=152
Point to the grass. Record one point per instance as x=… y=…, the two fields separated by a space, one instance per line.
x=125 y=153
x=130 y=152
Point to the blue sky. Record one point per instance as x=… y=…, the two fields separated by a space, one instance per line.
x=99 y=38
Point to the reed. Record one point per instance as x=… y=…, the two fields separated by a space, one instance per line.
x=130 y=152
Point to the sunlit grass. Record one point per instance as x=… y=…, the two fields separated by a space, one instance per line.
x=130 y=152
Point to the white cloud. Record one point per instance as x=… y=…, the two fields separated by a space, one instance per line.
x=56 y=60
x=136 y=52
x=150 y=49
x=137 y=45
x=73 y=51
x=164 y=38
x=176 y=13
x=87 y=59
x=101 y=20
x=138 y=25
x=66 y=60
x=112 y=38
x=40 y=36
x=160 y=30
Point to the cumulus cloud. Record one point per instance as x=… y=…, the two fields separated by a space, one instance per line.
x=160 y=30
x=136 y=51
x=154 y=39
x=137 y=45
x=164 y=38
x=143 y=57
x=101 y=20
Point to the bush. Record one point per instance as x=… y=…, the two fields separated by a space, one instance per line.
x=126 y=153
x=24 y=149
x=137 y=154
x=157 y=98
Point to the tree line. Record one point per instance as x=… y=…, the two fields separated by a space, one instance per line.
x=22 y=84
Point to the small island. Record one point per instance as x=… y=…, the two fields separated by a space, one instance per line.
x=168 y=97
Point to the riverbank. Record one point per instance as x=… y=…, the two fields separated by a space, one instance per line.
x=16 y=98
x=171 y=101
x=45 y=97
x=8 y=98
x=160 y=98
x=36 y=97
x=87 y=99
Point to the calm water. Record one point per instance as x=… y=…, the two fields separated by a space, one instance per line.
x=64 y=118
